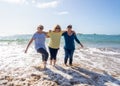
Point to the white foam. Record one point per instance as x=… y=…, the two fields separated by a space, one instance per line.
x=12 y=57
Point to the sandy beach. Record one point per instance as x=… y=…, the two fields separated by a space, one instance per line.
x=91 y=67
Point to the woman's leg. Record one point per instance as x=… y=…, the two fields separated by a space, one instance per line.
x=51 y=55
x=66 y=56
x=55 y=56
x=71 y=57
x=44 y=55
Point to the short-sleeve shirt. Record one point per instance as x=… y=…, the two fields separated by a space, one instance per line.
x=39 y=40
x=54 y=41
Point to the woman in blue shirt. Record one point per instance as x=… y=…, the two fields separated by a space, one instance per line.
x=69 y=37
x=39 y=38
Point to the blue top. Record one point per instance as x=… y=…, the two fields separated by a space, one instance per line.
x=69 y=41
x=39 y=40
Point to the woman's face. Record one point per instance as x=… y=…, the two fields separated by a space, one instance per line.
x=39 y=29
x=57 y=29
x=69 y=29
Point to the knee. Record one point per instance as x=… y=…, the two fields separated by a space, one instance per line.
x=54 y=58
x=66 y=55
x=47 y=54
x=71 y=57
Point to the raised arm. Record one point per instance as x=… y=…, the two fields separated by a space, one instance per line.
x=47 y=33
x=29 y=45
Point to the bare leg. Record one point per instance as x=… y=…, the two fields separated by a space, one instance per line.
x=44 y=64
x=50 y=62
x=54 y=62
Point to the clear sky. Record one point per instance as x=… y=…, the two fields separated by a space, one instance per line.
x=86 y=16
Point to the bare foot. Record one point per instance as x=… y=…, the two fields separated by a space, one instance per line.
x=65 y=64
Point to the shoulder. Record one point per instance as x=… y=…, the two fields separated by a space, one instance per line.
x=41 y=35
x=65 y=32
x=50 y=32
x=61 y=32
x=74 y=34
x=35 y=34
x=44 y=32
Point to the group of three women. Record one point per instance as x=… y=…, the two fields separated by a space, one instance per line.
x=54 y=43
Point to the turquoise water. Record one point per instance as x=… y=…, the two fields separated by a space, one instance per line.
x=88 y=40
x=94 y=40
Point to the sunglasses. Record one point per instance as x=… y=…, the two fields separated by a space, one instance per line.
x=57 y=28
x=69 y=27
x=41 y=28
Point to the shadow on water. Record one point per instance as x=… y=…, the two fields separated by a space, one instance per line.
x=79 y=76
x=84 y=76
x=54 y=77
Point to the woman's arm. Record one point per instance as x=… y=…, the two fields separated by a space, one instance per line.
x=44 y=32
x=76 y=39
x=29 y=45
x=47 y=33
x=81 y=45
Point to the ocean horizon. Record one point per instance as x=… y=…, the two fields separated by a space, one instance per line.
x=88 y=40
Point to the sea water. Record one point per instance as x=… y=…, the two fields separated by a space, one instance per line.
x=102 y=41
x=88 y=40
x=12 y=48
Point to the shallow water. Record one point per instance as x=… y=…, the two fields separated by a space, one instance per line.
x=15 y=63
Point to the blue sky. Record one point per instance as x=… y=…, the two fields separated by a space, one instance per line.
x=86 y=16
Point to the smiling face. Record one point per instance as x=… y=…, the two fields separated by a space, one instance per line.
x=57 y=28
x=40 y=28
x=69 y=29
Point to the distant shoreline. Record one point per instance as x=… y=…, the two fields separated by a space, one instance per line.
x=76 y=33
